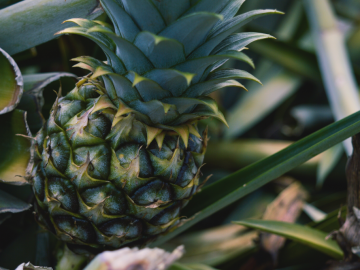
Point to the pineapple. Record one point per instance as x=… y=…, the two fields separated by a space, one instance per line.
x=120 y=155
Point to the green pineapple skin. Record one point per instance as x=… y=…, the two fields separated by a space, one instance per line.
x=105 y=197
x=120 y=155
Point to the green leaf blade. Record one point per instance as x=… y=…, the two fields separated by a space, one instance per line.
x=299 y=233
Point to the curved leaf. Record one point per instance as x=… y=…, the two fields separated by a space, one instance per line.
x=15 y=150
x=234 y=74
x=184 y=104
x=230 y=10
x=11 y=83
x=102 y=41
x=300 y=233
x=207 y=87
x=32 y=101
x=226 y=28
x=89 y=63
x=11 y=204
x=35 y=82
x=199 y=65
x=238 y=41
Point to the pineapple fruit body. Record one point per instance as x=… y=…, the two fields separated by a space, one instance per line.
x=121 y=154
x=97 y=181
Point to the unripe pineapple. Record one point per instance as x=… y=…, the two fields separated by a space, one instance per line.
x=120 y=155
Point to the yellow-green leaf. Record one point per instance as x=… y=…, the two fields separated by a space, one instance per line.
x=300 y=233
x=11 y=83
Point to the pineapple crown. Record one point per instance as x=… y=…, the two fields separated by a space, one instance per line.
x=164 y=57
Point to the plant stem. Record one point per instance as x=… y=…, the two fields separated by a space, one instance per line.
x=70 y=261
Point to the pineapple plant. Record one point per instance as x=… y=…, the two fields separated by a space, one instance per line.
x=120 y=155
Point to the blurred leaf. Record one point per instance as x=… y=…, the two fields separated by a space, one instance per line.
x=11 y=204
x=35 y=82
x=328 y=161
x=295 y=252
x=290 y=57
x=353 y=43
x=215 y=245
x=230 y=189
x=15 y=150
x=11 y=83
x=239 y=153
x=66 y=259
x=306 y=235
x=33 y=22
x=259 y=101
x=252 y=206
x=286 y=208
x=347 y=8
x=333 y=60
x=307 y=117
x=291 y=22
x=314 y=213
x=29 y=266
